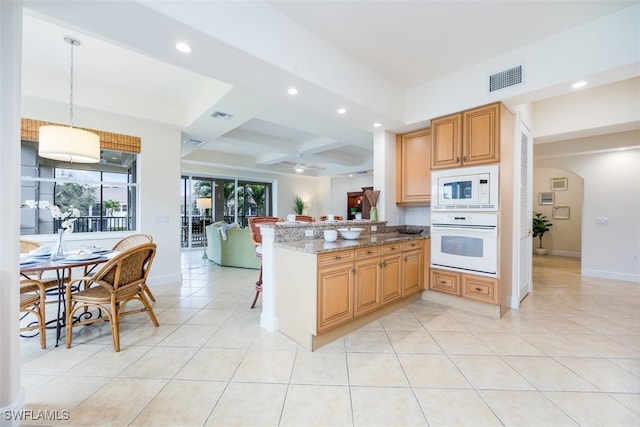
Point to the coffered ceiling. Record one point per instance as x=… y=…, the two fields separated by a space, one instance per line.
x=364 y=56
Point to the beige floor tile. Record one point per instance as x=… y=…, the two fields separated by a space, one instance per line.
x=366 y=340
x=193 y=301
x=273 y=341
x=449 y=408
x=384 y=406
x=594 y=409
x=176 y=316
x=147 y=335
x=109 y=363
x=631 y=365
x=556 y=345
x=525 y=408
x=431 y=370
x=413 y=342
x=188 y=336
x=233 y=337
x=507 y=344
x=460 y=343
x=440 y=322
x=53 y=395
x=317 y=405
x=269 y=366
x=603 y=374
x=245 y=404
x=160 y=362
x=545 y=373
x=630 y=400
x=602 y=346
x=210 y=317
x=320 y=368
x=367 y=369
x=403 y=321
x=212 y=364
x=115 y=404
x=490 y=372
x=60 y=359
x=181 y=403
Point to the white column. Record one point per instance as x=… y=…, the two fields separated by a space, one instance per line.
x=269 y=316
x=11 y=391
x=384 y=177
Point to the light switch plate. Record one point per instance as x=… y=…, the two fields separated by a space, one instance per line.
x=308 y=233
x=374 y=228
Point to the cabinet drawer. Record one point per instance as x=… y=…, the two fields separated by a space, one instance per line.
x=445 y=281
x=392 y=248
x=411 y=245
x=331 y=258
x=368 y=251
x=480 y=288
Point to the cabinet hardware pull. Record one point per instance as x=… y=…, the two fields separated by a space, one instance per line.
x=443 y=283
x=338 y=257
x=405 y=259
x=478 y=289
x=369 y=252
x=457 y=159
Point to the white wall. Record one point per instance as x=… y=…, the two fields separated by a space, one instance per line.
x=339 y=189
x=612 y=191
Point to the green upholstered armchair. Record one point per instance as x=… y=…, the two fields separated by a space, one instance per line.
x=236 y=251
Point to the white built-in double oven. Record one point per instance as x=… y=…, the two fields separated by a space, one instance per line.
x=464 y=220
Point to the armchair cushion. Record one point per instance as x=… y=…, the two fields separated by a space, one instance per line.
x=236 y=251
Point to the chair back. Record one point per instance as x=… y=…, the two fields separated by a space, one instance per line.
x=335 y=218
x=256 y=237
x=27 y=246
x=128 y=268
x=305 y=218
x=131 y=241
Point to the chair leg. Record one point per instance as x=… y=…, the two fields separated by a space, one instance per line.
x=258 y=288
x=148 y=292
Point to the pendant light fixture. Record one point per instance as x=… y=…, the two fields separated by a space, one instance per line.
x=67 y=143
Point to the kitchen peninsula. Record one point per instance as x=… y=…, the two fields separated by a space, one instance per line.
x=316 y=291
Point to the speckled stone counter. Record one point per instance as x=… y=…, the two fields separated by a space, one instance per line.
x=317 y=246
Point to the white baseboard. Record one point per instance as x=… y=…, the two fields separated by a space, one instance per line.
x=572 y=254
x=611 y=275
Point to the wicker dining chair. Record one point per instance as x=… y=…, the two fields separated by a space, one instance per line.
x=32 y=300
x=335 y=218
x=131 y=241
x=305 y=218
x=117 y=283
x=256 y=238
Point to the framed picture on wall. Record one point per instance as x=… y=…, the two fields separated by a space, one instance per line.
x=559 y=184
x=561 y=212
x=547 y=198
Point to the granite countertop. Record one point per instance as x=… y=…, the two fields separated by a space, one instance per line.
x=317 y=246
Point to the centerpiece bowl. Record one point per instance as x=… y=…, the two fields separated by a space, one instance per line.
x=350 y=233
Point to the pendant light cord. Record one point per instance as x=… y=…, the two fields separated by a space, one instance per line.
x=73 y=42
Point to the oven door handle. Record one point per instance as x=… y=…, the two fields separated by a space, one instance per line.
x=467 y=231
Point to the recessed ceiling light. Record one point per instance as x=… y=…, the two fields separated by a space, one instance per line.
x=578 y=85
x=292 y=91
x=342 y=110
x=299 y=169
x=377 y=125
x=183 y=47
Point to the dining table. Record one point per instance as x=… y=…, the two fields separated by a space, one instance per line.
x=31 y=264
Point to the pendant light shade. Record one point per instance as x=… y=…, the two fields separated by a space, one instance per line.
x=66 y=143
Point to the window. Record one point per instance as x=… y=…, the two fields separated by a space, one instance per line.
x=104 y=192
x=230 y=200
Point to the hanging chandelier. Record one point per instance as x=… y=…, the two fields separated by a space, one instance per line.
x=67 y=143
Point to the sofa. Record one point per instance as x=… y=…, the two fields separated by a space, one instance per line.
x=236 y=251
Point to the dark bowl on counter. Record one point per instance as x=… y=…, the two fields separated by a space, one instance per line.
x=409 y=229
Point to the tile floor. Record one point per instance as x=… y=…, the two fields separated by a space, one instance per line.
x=569 y=356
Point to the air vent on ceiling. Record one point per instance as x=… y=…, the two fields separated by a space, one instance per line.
x=220 y=115
x=506 y=78
x=192 y=142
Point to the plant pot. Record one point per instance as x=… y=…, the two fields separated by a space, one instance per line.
x=540 y=251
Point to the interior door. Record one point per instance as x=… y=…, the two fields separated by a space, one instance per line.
x=525 y=153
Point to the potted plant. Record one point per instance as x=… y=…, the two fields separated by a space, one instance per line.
x=298 y=205
x=540 y=226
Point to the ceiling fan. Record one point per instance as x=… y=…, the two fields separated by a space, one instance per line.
x=298 y=166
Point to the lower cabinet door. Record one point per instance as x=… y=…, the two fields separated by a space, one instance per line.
x=391 y=277
x=480 y=288
x=367 y=289
x=335 y=296
x=445 y=281
x=411 y=272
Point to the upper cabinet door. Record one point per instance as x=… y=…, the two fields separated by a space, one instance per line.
x=446 y=142
x=413 y=175
x=481 y=140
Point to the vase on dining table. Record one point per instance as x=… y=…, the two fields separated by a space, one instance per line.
x=59 y=249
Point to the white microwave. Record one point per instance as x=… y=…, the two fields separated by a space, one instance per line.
x=465 y=189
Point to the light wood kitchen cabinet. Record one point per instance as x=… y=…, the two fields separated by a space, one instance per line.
x=445 y=281
x=335 y=289
x=480 y=288
x=413 y=174
x=426 y=256
x=468 y=138
x=391 y=273
x=411 y=268
x=367 y=281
